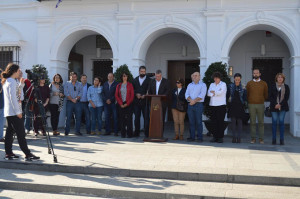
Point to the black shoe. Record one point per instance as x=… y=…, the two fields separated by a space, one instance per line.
x=66 y=134
x=2 y=140
x=129 y=136
x=273 y=142
x=209 y=134
x=220 y=140
x=78 y=133
x=31 y=157
x=116 y=134
x=214 y=140
x=200 y=140
x=238 y=140
x=11 y=157
x=106 y=134
x=281 y=142
x=123 y=136
x=190 y=139
x=89 y=133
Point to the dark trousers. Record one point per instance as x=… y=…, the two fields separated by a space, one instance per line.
x=138 y=108
x=126 y=121
x=218 y=115
x=237 y=127
x=86 y=110
x=15 y=125
x=110 y=110
x=54 y=116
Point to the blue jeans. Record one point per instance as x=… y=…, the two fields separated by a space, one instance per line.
x=71 y=107
x=110 y=110
x=195 y=118
x=85 y=108
x=96 y=114
x=278 y=116
x=1 y=122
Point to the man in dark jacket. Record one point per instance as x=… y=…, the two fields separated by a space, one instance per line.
x=140 y=85
x=110 y=108
x=160 y=86
x=84 y=104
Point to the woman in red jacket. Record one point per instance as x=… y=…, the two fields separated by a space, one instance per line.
x=124 y=96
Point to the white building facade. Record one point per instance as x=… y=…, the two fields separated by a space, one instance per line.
x=178 y=37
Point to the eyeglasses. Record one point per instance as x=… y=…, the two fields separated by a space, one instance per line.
x=178 y=83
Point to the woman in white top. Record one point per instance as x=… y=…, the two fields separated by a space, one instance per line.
x=13 y=113
x=217 y=93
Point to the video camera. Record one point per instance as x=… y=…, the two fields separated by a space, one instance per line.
x=33 y=77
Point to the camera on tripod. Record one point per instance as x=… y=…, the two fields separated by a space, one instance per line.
x=33 y=77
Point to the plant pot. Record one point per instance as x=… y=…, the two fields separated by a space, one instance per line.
x=210 y=126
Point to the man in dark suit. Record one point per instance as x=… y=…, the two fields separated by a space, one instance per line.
x=160 y=86
x=140 y=85
x=109 y=101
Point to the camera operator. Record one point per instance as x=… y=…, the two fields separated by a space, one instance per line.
x=13 y=113
x=28 y=110
x=44 y=97
x=73 y=92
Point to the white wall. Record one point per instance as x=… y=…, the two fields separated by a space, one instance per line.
x=248 y=46
x=169 y=47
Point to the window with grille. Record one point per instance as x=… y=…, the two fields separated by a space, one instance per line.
x=8 y=54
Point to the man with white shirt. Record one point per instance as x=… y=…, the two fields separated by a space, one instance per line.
x=257 y=93
x=140 y=85
x=160 y=86
x=217 y=93
x=195 y=95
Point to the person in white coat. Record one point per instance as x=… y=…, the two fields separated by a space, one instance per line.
x=217 y=93
x=13 y=112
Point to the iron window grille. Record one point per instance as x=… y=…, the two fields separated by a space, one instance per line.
x=9 y=54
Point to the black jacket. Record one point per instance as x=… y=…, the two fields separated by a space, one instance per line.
x=181 y=96
x=163 y=88
x=273 y=93
x=141 y=89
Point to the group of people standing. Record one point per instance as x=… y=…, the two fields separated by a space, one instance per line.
x=232 y=99
x=120 y=100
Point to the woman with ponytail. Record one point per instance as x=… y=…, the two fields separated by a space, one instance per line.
x=13 y=113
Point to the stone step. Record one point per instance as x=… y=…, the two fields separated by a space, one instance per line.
x=254 y=177
x=140 y=188
x=13 y=194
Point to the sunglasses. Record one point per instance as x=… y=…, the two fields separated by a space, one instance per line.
x=178 y=83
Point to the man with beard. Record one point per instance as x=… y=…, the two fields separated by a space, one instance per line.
x=140 y=84
x=257 y=93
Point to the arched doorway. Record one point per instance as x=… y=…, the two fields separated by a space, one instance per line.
x=262 y=47
x=77 y=49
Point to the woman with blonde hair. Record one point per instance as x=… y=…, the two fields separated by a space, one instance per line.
x=13 y=113
x=279 y=94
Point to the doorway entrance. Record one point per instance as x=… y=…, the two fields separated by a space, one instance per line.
x=102 y=68
x=182 y=70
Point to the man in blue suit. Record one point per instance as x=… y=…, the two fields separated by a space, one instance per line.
x=110 y=108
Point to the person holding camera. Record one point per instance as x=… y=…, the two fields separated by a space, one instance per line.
x=56 y=101
x=13 y=113
x=43 y=93
x=73 y=92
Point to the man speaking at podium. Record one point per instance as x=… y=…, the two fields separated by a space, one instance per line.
x=160 y=86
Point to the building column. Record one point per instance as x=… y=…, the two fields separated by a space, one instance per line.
x=295 y=97
x=214 y=22
x=125 y=19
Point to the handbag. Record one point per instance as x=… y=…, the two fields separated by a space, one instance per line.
x=268 y=112
x=181 y=105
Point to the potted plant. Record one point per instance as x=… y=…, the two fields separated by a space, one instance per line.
x=41 y=70
x=120 y=70
x=207 y=79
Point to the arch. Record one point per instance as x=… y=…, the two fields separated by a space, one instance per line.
x=9 y=33
x=62 y=46
x=268 y=25
x=151 y=33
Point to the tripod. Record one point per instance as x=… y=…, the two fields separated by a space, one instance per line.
x=42 y=114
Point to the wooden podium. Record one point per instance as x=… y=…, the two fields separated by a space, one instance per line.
x=156 y=119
